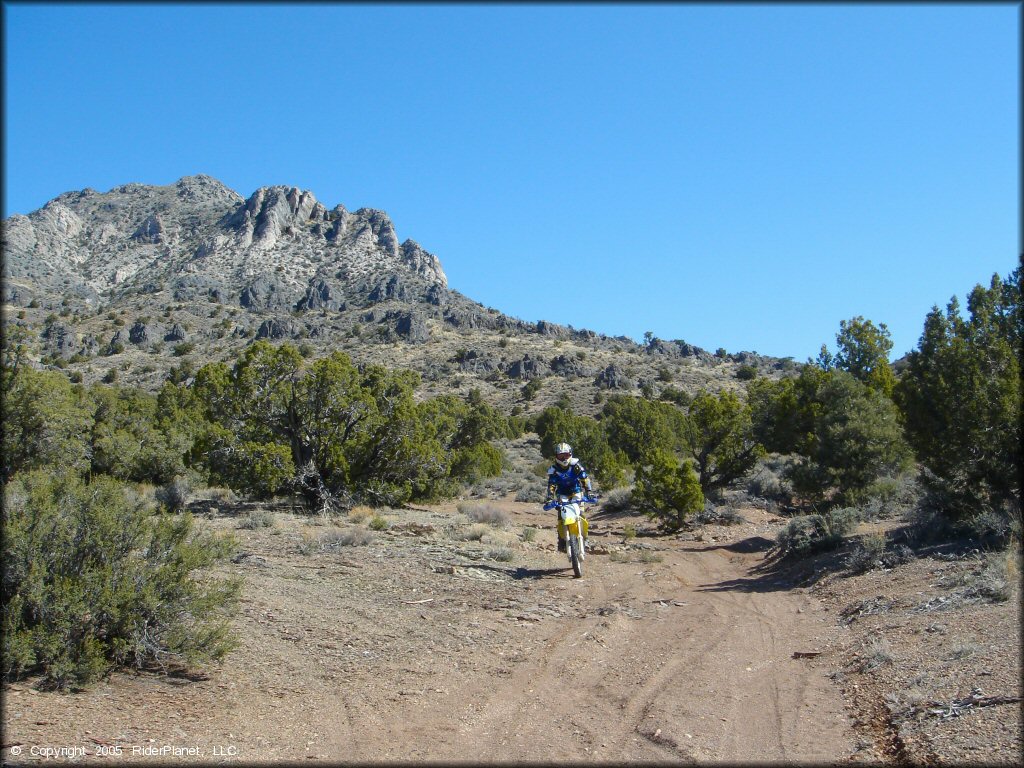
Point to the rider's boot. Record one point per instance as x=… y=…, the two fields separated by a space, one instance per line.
x=561 y=545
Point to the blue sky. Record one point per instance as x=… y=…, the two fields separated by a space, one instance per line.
x=735 y=175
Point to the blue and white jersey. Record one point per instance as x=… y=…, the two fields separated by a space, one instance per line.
x=568 y=481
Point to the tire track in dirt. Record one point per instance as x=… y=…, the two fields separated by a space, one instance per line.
x=417 y=650
x=708 y=679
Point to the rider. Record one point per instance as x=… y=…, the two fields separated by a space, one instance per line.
x=567 y=477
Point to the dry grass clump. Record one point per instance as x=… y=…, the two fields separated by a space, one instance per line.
x=334 y=539
x=769 y=479
x=175 y=495
x=475 y=532
x=221 y=495
x=530 y=493
x=877 y=653
x=259 y=518
x=501 y=554
x=867 y=553
x=617 y=500
x=361 y=513
x=963 y=649
x=996 y=579
x=485 y=513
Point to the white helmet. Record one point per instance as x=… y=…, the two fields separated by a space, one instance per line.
x=563 y=452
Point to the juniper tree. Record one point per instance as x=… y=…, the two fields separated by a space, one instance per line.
x=960 y=397
x=720 y=437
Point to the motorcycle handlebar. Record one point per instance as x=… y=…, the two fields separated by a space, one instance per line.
x=548 y=506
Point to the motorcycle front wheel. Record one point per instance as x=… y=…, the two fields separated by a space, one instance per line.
x=575 y=556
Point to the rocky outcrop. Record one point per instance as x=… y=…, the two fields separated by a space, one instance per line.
x=268 y=293
x=676 y=348
x=424 y=264
x=274 y=328
x=613 y=378
x=528 y=368
x=544 y=328
x=59 y=340
x=139 y=333
x=149 y=231
x=568 y=367
x=321 y=294
x=204 y=240
x=412 y=327
x=477 y=362
x=196 y=287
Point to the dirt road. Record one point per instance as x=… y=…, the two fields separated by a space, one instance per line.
x=432 y=644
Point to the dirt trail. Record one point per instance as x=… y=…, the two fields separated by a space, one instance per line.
x=419 y=647
x=672 y=660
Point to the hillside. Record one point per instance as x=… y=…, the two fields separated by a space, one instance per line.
x=131 y=283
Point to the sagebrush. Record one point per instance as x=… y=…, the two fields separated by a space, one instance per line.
x=93 y=578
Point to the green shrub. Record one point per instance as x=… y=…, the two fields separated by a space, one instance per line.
x=746 y=373
x=960 y=401
x=378 y=523
x=668 y=491
x=47 y=422
x=93 y=580
x=531 y=388
x=474 y=463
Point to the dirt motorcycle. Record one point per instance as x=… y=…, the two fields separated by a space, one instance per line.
x=570 y=512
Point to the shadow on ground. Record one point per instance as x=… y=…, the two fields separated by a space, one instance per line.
x=520 y=573
x=775 y=573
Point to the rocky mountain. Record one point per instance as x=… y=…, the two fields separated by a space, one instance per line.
x=280 y=248
x=142 y=282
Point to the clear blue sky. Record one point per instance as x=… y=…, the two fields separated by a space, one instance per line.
x=740 y=176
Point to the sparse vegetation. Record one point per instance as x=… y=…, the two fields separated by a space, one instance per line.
x=807 y=534
x=501 y=555
x=485 y=513
x=260 y=518
x=867 y=553
x=877 y=652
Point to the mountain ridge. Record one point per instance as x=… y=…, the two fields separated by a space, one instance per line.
x=152 y=281
x=199 y=236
